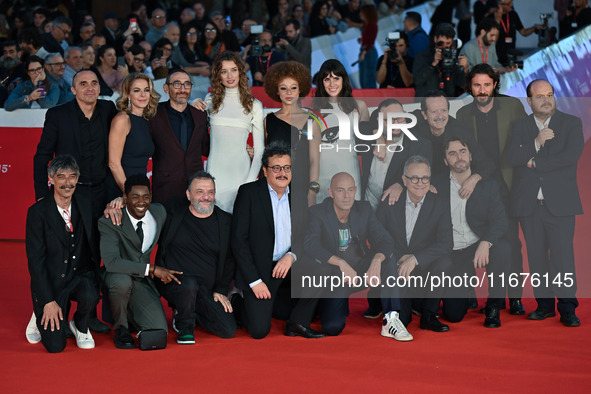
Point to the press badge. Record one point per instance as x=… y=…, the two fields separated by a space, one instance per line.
x=508 y=40
x=574 y=25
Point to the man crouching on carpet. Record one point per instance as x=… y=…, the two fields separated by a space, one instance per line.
x=126 y=252
x=60 y=254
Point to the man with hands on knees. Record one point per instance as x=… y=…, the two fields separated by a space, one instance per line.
x=264 y=252
x=125 y=249
x=337 y=237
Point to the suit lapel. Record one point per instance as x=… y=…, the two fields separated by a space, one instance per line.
x=56 y=222
x=424 y=215
x=72 y=109
x=128 y=231
x=266 y=203
x=400 y=218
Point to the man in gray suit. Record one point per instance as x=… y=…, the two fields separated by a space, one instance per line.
x=125 y=250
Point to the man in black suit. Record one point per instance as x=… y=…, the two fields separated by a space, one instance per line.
x=262 y=246
x=544 y=149
x=126 y=250
x=196 y=241
x=62 y=260
x=337 y=237
x=180 y=137
x=79 y=128
x=420 y=225
x=479 y=224
x=60 y=31
x=490 y=119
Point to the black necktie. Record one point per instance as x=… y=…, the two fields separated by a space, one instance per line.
x=140 y=232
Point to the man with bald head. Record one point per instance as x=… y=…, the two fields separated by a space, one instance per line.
x=544 y=150
x=338 y=233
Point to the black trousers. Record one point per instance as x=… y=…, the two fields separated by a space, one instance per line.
x=195 y=304
x=550 y=251
x=86 y=295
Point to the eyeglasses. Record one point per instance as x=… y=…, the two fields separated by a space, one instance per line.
x=57 y=64
x=415 y=179
x=66 y=32
x=277 y=169
x=192 y=33
x=159 y=16
x=209 y=30
x=138 y=59
x=35 y=70
x=178 y=85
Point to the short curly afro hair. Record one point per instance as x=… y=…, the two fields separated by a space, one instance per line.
x=290 y=69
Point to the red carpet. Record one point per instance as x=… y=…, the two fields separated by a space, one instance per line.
x=521 y=356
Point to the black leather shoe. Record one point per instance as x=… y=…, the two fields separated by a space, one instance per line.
x=540 y=314
x=98 y=326
x=123 y=339
x=375 y=309
x=516 y=307
x=237 y=302
x=472 y=303
x=295 y=329
x=493 y=318
x=433 y=324
x=570 y=320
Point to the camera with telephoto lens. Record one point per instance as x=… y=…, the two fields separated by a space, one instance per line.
x=255 y=47
x=547 y=34
x=449 y=54
x=280 y=35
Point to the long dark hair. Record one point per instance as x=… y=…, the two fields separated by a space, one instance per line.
x=335 y=67
x=218 y=91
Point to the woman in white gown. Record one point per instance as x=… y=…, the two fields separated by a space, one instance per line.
x=334 y=85
x=233 y=114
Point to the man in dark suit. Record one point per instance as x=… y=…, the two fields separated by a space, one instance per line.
x=262 y=246
x=337 y=237
x=79 y=128
x=544 y=149
x=60 y=31
x=490 y=119
x=62 y=260
x=479 y=224
x=126 y=251
x=196 y=241
x=420 y=225
x=180 y=137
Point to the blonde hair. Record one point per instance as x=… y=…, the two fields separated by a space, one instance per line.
x=123 y=100
x=218 y=91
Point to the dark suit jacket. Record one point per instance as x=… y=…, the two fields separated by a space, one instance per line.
x=322 y=239
x=171 y=166
x=556 y=166
x=51 y=45
x=177 y=209
x=420 y=147
x=253 y=233
x=432 y=236
x=61 y=136
x=48 y=248
x=509 y=110
x=485 y=211
x=120 y=245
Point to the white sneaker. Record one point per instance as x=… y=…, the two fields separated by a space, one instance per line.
x=83 y=340
x=392 y=327
x=32 y=331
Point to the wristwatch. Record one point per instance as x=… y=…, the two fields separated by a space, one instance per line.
x=315 y=186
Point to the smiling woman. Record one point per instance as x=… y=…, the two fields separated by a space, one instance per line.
x=130 y=144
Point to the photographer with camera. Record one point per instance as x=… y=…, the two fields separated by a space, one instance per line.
x=578 y=16
x=394 y=65
x=440 y=67
x=482 y=48
x=510 y=25
x=293 y=45
x=261 y=54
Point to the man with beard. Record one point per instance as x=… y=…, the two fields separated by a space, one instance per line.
x=544 y=149
x=12 y=70
x=482 y=48
x=180 y=136
x=479 y=224
x=295 y=47
x=490 y=118
x=196 y=241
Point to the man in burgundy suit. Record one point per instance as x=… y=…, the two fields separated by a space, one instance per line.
x=180 y=136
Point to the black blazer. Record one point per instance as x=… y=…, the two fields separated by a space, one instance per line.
x=485 y=211
x=322 y=239
x=556 y=166
x=432 y=236
x=61 y=136
x=177 y=209
x=410 y=148
x=253 y=233
x=171 y=165
x=48 y=248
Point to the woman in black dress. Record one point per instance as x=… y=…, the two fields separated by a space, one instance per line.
x=130 y=144
x=285 y=83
